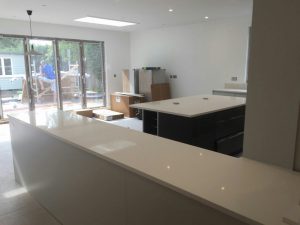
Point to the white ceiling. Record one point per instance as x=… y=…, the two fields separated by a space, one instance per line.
x=147 y=13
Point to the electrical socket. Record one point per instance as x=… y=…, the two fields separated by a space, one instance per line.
x=234 y=78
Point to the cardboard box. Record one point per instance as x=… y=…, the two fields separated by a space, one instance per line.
x=120 y=102
x=160 y=91
x=108 y=115
x=85 y=112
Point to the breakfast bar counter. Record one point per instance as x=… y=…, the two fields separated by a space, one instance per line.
x=88 y=172
x=207 y=121
x=231 y=92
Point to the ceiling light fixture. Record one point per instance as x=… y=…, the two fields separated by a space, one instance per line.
x=206 y=17
x=171 y=10
x=31 y=50
x=107 y=22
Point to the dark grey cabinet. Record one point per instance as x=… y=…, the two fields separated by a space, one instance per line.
x=220 y=131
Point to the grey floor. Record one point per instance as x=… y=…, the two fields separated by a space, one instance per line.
x=16 y=206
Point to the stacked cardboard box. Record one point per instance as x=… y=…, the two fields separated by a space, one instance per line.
x=121 y=101
x=107 y=115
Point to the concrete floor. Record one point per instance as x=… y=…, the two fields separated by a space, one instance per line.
x=16 y=206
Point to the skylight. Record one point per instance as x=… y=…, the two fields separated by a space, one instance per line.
x=107 y=22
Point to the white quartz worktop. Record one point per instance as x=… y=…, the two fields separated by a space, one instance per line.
x=251 y=191
x=193 y=105
x=238 y=91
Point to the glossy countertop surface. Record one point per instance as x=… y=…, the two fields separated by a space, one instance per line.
x=248 y=190
x=193 y=105
x=237 y=91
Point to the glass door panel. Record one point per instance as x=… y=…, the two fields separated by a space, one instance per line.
x=13 y=85
x=40 y=68
x=43 y=74
x=69 y=53
x=94 y=74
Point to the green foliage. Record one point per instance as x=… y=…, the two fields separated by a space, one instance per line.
x=93 y=55
x=11 y=45
x=69 y=54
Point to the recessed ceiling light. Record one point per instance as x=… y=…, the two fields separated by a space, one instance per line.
x=107 y=22
x=206 y=17
x=43 y=5
x=171 y=10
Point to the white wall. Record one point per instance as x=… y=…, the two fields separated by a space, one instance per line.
x=117 y=50
x=274 y=83
x=204 y=56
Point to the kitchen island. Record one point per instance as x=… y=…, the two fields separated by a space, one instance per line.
x=231 y=92
x=88 y=172
x=207 y=121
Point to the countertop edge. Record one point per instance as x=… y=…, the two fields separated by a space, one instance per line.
x=147 y=176
x=136 y=106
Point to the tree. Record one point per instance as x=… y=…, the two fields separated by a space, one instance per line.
x=11 y=45
x=69 y=54
x=93 y=55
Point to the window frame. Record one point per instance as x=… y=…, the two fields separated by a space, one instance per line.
x=26 y=40
x=3 y=67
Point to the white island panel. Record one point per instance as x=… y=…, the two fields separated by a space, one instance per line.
x=236 y=188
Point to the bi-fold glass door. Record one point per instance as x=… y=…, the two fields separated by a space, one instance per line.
x=81 y=74
x=70 y=75
x=94 y=74
x=64 y=74
x=43 y=74
x=13 y=81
